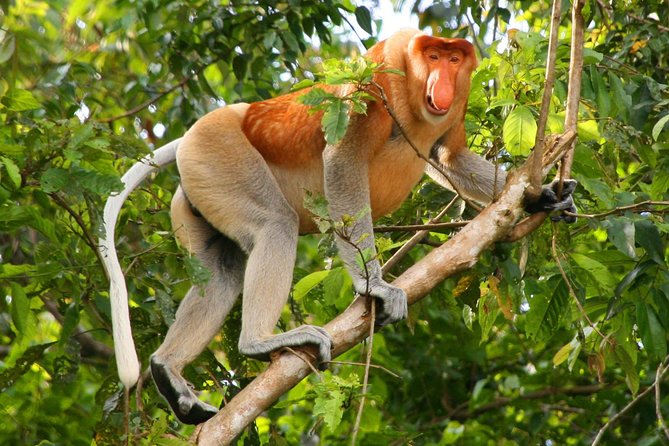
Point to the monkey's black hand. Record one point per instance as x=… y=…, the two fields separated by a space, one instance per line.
x=548 y=201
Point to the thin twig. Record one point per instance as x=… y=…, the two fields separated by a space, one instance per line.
x=637 y=206
x=306 y=361
x=362 y=364
x=463 y=411
x=424 y=227
x=153 y=100
x=415 y=239
x=85 y=235
x=631 y=404
x=126 y=414
x=658 y=400
x=365 y=381
x=572 y=293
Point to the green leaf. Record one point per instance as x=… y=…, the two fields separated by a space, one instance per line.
x=9 y=375
x=503 y=102
x=651 y=331
x=290 y=41
x=24 y=320
x=599 y=272
x=304 y=83
x=563 y=354
x=519 y=131
x=70 y=322
x=307 y=283
x=82 y=134
x=335 y=121
x=330 y=406
x=364 y=19
x=603 y=93
x=12 y=149
x=621 y=99
x=468 y=317
x=488 y=310
x=337 y=288
x=648 y=237
x=239 y=64
x=13 y=171
x=7 y=47
x=599 y=189
x=588 y=130
x=315 y=97
x=625 y=361
x=20 y=100
x=548 y=302
x=621 y=232
x=660 y=184
x=659 y=126
x=20 y=308
x=8 y=271
x=54 y=179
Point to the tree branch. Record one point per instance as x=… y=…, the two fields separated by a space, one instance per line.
x=661 y=370
x=575 y=77
x=461 y=412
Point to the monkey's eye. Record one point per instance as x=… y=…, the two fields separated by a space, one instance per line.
x=454 y=59
x=433 y=56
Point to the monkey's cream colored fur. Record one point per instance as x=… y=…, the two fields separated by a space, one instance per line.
x=244 y=172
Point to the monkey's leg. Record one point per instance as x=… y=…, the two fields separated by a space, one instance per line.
x=269 y=226
x=270 y=265
x=232 y=186
x=200 y=314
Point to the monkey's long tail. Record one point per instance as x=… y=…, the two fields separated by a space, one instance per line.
x=124 y=347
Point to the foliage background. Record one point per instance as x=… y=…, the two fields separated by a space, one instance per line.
x=542 y=342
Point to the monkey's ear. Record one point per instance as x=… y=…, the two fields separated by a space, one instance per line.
x=548 y=201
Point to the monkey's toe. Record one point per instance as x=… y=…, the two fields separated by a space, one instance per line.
x=185 y=405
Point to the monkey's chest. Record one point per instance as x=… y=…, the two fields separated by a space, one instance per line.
x=392 y=174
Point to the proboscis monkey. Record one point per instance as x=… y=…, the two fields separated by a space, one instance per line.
x=245 y=169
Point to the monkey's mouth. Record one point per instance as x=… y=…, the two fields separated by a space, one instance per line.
x=433 y=108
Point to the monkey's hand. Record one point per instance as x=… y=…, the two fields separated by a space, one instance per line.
x=549 y=202
x=391 y=301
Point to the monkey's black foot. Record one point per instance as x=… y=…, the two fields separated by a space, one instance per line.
x=185 y=405
x=549 y=202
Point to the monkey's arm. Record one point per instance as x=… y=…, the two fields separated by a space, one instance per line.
x=480 y=180
x=347 y=192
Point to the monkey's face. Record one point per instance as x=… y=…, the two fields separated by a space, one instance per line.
x=438 y=72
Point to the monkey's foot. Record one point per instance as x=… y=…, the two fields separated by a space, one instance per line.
x=391 y=301
x=302 y=335
x=184 y=403
x=549 y=202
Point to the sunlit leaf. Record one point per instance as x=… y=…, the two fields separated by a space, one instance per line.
x=520 y=131
x=19 y=100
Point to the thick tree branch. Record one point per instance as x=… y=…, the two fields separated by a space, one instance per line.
x=537 y=177
x=575 y=77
